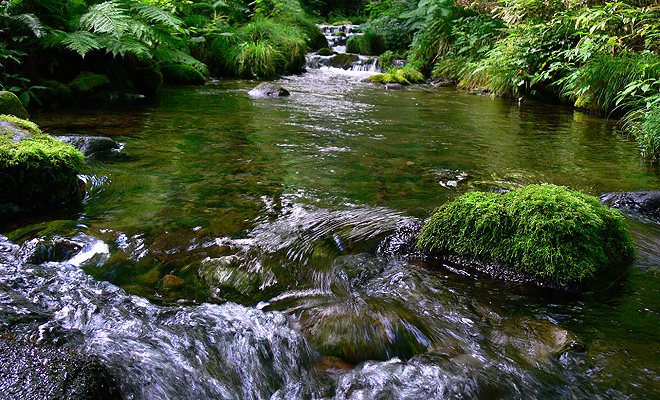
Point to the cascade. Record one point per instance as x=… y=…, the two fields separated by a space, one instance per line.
x=338 y=36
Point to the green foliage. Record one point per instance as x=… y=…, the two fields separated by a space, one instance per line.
x=38 y=170
x=548 y=231
x=404 y=76
x=606 y=80
x=369 y=43
x=127 y=27
x=182 y=74
x=644 y=123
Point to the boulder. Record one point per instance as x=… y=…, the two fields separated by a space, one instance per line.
x=36 y=170
x=325 y=52
x=267 y=89
x=87 y=83
x=645 y=202
x=182 y=74
x=549 y=232
x=147 y=81
x=91 y=146
x=38 y=251
x=30 y=371
x=11 y=105
x=52 y=92
x=343 y=61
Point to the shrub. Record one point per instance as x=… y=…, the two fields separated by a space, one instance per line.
x=547 y=231
x=369 y=43
x=644 y=124
x=38 y=170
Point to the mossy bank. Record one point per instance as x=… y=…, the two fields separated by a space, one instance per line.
x=36 y=170
x=550 y=232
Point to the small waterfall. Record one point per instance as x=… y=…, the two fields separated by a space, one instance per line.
x=338 y=36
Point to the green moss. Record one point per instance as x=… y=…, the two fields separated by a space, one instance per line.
x=11 y=105
x=87 y=82
x=28 y=126
x=547 y=231
x=182 y=74
x=404 y=76
x=38 y=170
x=325 y=52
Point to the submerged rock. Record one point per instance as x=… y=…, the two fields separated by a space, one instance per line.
x=343 y=61
x=267 y=89
x=11 y=105
x=29 y=371
x=37 y=251
x=645 y=202
x=92 y=146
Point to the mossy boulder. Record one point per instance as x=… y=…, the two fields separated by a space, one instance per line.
x=403 y=76
x=87 y=83
x=11 y=105
x=182 y=74
x=549 y=232
x=36 y=169
x=52 y=92
x=325 y=52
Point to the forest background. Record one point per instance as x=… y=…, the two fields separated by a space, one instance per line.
x=601 y=56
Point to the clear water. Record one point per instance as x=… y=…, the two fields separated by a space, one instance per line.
x=280 y=206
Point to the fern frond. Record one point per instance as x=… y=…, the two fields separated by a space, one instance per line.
x=82 y=42
x=109 y=17
x=155 y=15
x=125 y=45
x=31 y=22
x=177 y=56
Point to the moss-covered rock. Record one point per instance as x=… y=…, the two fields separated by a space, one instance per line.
x=36 y=169
x=52 y=92
x=325 y=52
x=11 y=105
x=547 y=231
x=87 y=83
x=403 y=76
x=182 y=74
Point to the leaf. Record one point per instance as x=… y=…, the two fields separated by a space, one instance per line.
x=108 y=17
x=156 y=15
x=24 y=98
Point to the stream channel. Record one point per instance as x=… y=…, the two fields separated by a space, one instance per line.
x=244 y=248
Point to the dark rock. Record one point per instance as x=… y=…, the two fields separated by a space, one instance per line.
x=29 y=371
x=645 y=202
x=92 y=146
x=344 y=61
x=11 y=105
x=37 y=251
x=147 y=81
x=87 y=83
x=267 y=89
x=52 y=92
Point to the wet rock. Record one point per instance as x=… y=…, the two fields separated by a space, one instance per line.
x=343 y=61
x=29 y=371
x=355 y=329
x=92 y=146
x=645 y=202
x=267 y=89
x=226 y=276
x=171 y=282
x=11 y=105
x=37 y=251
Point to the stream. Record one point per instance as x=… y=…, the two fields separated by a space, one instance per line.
x=243 y=248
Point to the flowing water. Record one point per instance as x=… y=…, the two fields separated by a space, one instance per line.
x=244 y=248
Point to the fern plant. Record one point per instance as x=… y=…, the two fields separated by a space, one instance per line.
x=123 y=27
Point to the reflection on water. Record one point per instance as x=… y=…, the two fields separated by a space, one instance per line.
x=290 y=207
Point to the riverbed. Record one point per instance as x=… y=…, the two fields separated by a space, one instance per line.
x=243 y=248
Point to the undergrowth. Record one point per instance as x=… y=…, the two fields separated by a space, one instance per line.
x=547 y=231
